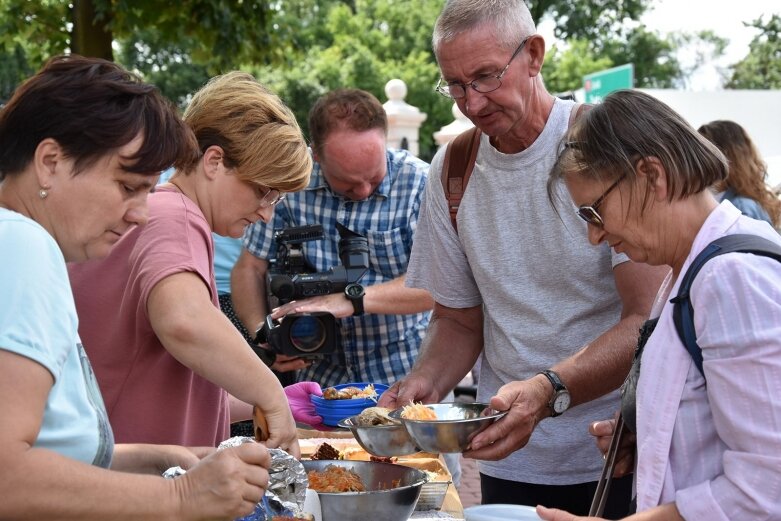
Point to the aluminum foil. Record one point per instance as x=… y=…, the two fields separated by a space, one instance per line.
x=286 y=488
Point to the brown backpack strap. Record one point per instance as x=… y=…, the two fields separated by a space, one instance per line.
x=460 y=161
x=457 y=168
x=578 y=110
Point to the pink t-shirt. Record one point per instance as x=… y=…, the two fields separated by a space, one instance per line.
x=149 y=395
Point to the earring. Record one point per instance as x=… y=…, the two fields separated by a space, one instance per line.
x=43 y=194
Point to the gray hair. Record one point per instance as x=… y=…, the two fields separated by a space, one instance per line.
x=607 y=142
x=511 y=20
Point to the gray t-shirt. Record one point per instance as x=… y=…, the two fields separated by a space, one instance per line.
x=545 y=290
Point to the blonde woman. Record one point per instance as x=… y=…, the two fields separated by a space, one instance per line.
x=167 y=360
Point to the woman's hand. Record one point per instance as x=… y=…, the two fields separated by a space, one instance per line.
x=225 y=485
x=625 y=458
x=282 y=432
x=298 y=395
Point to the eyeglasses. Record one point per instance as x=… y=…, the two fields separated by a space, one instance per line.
x=483 y=84
x=271 y=198
x=590 y=213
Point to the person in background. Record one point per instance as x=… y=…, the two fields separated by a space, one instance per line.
x=164 y=355
x=745 y=185
x=708 y=444
x=554 y=320
x=82 y=143
x=373 y=191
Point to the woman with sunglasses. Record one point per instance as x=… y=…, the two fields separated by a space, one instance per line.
x=708 y=443
x=171 y=366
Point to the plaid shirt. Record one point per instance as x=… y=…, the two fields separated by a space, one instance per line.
x=373 y=348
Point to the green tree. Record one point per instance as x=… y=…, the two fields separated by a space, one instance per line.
x=596 y=21
x=364 y=45
x=13 y=69
x=563 y=70
x=653 y=57
x=220 y=31
x=303 y=48
x=761 y=68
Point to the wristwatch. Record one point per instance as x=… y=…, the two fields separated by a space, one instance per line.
x=354 y=293
x=561 y=398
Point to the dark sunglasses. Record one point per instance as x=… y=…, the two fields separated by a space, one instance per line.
x=590 y=213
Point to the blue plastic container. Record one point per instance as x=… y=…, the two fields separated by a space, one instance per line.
x=333 y=411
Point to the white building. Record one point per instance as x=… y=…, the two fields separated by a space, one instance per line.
x=758 y=111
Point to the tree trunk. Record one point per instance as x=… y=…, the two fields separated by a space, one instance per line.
x=90 y=36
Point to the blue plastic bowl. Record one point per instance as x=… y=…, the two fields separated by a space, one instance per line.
x=333 y=411
x=351 y=403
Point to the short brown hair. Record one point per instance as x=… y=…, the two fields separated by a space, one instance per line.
x=352 y=109
x=258 y=133
x=90 y=107
x=608 y=141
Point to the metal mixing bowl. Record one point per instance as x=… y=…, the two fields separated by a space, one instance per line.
x=381 y=440
x=379 y=502
x=455 y=426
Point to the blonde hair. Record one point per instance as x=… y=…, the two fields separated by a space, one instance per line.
x=257 y=132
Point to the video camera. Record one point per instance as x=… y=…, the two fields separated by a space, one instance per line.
x=290 y=277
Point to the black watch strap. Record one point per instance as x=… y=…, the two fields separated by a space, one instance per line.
x=354 y=293
x=558 y=389
x=554 y=380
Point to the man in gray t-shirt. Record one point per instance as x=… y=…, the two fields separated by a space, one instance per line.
x=517 y=283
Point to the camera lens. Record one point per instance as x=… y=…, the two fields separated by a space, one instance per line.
x=307 y=334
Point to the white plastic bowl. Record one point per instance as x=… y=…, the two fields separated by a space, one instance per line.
x=500 y=512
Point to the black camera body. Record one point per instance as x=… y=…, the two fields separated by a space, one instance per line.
x=290 y=277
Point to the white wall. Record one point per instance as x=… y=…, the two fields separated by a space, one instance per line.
x=758 y=111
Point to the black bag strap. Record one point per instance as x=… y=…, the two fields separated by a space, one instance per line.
x=683 y=312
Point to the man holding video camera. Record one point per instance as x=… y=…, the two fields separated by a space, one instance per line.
x=374 y=193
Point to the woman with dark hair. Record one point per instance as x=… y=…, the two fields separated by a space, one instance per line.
x=708 y=440
x=82 y=144
x=745 y=185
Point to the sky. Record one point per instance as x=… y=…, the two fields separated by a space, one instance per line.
x=723 y=17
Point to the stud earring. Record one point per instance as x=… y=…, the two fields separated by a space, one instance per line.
x=43 y=194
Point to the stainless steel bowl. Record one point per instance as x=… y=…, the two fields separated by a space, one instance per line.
x=455 y=426
x=381 y=440
x=380 y=502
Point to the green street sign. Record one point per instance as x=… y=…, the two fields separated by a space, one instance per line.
x=597 y=85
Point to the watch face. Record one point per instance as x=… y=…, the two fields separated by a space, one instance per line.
x=354 y=290
x=561 y=402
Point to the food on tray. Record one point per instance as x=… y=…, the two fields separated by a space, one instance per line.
x=324 y=451
x=417 y=411
x=332 y=393
x=374 y=416
x=384 y=459
x=335 y=479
